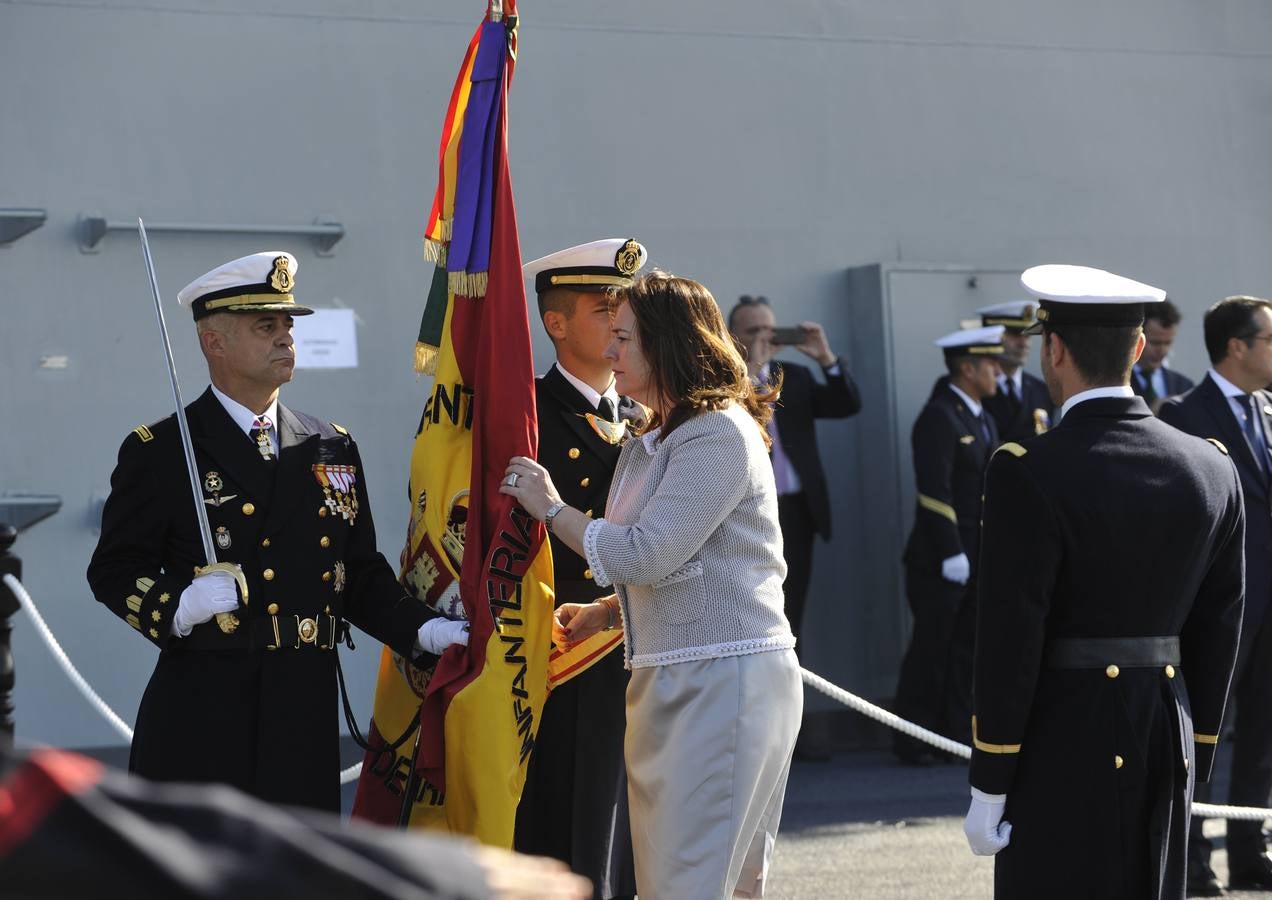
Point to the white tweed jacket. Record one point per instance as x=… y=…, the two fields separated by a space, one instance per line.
x=692 y=545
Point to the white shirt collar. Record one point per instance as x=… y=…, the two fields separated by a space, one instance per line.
x=1229 y=389
x=243 y=417
x=1119 y=390
x=971 y=404
x=589 y=393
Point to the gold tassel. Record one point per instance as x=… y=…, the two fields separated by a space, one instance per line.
x=467 y=284
x=426 y=359
x=435 y=251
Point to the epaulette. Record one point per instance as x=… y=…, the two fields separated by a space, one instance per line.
x=1218 y=443
x=1013 y=448
x=341 y=429
x=144 y=433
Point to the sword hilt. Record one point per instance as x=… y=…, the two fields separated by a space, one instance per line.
x=227 y=622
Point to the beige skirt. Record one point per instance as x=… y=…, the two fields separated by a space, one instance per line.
x=708 y=752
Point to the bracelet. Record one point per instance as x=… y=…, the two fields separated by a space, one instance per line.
x=612 y=620
x=552 y=514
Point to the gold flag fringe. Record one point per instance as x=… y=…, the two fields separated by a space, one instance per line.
x=426 y=359
x=467 y=284
x=435 y=251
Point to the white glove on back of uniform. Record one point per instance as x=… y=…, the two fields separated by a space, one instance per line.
x=207 y=595
x=957 y=569
x=986 y=832
x=436 y=635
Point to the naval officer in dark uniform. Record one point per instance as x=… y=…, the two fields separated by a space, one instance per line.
x=952 y=440
x=1022 y=407
x=574 y=804
x=1100 y=682
x=244 y=691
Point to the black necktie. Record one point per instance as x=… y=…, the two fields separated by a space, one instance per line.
x=984 y=427
x=1150 y=394
x=1252 y=424
x=605 y=409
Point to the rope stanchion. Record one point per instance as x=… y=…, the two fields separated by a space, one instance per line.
x=119 y=725
x=892 y=720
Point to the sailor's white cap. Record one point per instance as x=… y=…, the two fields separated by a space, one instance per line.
x=595 y=266
x=973 y=342
x=1081 y=295
x=261 y=282
x=1015 y=315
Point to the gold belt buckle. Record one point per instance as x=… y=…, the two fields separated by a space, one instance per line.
x=306 y=630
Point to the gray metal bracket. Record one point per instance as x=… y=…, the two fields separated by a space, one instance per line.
x=14 y=223
x=24 y=510
x=323 y=232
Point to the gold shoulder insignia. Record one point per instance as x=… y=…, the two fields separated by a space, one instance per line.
x=144 y=433
x=1013 y=448
x=340 y=428
x=1218 y=443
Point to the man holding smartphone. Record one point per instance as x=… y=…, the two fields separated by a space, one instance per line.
x=802 y=498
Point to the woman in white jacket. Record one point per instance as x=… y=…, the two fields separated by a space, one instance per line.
x=692 y=546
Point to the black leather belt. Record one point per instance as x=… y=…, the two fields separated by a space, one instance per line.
x=270 y=633
x=1099 y=653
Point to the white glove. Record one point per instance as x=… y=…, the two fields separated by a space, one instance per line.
x=207 y=595
x=436 y=635
x=986 y=832
x=957 y=569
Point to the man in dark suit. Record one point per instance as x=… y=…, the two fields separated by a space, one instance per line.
x=1100 y=682
x=574 y=804
x=803 y=502
x=248 y=699
x=1231 y=404
x=952 y=440
x=1022 y=407
x=1150 y=377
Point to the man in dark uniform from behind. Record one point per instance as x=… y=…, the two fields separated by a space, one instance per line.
x=244 y=688
x=574 y=805
x=1022 y=407
x=1100 y=682
x=1231 y=404
x=1150 y=378
x=952 y=440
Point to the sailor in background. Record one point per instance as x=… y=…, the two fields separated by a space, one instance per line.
x=1022 y=407
x=244 y=688
x=1100 y=682
x=574 y=804
x=952 y=440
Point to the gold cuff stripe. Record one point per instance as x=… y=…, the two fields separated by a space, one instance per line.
x=249 y=300
x=134 y=603
x=941 y=509
x=144 y=433
x=1013 y=448
x=133 y=621
x=1205 y=738
x=616 y=280
x=991 y=748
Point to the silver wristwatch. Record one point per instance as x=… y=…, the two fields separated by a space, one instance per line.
x=552 y=514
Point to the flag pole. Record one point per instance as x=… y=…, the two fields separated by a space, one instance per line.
x=413 y=780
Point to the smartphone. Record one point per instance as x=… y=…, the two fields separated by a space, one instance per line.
x=794 y=335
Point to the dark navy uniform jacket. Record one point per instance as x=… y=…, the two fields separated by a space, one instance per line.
x=950 y=453
x=224 y=707
x=1030 y=415
x=1095 y=760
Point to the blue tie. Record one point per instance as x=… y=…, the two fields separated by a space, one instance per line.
x=1254 y=432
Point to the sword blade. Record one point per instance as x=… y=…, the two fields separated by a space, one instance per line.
x=187 y=445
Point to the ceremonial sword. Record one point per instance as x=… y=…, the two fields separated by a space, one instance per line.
x=227 y=622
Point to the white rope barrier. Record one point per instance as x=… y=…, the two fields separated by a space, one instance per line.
x=119 y=725
x=879 y=714
x=865 y=707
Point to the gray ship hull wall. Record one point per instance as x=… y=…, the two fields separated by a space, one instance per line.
x=826 y=154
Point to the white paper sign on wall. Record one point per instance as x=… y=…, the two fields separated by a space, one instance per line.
x=326 y=340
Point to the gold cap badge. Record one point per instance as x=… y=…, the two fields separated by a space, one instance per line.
x=281 y=278
x=627 y=259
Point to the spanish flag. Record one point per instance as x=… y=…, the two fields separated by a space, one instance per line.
x=470 y=550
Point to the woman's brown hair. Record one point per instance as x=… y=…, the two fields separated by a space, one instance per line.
x=694 y=363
